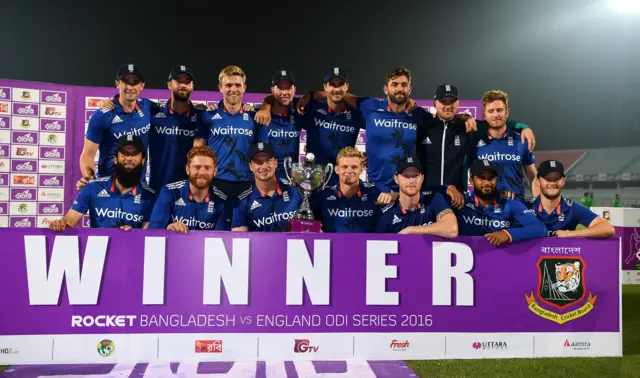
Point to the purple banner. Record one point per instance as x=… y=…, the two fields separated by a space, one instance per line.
x=25 y=137
x=5 y=122
x=55 y=125
x=631 y=244
x=24 y=166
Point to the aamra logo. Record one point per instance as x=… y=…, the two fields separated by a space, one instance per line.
x=561 y=284
x=106 y=347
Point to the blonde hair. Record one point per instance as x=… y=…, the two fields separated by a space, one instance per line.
x=397 y=72
x=232 y=71
x=348 y=152
x=495 y=95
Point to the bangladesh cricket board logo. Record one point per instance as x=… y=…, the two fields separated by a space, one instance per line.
x=106 y=347
x=561 y=283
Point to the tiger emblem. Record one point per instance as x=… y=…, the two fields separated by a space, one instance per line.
x=567 y=277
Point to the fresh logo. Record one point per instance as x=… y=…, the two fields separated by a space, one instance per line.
x=303 y=346
x=397 y=345
x=106 y=348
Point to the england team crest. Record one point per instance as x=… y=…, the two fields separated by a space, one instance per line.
x=561 y=284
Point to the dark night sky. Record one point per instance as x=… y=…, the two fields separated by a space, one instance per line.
x=572 y=68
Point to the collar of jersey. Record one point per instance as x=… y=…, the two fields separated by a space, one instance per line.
x=562 y=206
x=329 y=111
x=170 y=111
x=405 y=211
x=387 y=107
x=186 y=192
x=259 y=194
x=507 y=132
x=120 y=109
x=113 y=189
x=479 y=205
x=223 y=108
x=340 y=195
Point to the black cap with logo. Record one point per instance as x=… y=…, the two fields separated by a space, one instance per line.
x=282 y=75
x=181 y=69
x=446 y=90
x=480 y=166
x=255 y=148
x=408 y=162
x=131 y=140
x=336 y=72
x=129 y=69
x=550 y=166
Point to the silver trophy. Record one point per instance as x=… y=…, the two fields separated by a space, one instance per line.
x=306 y=177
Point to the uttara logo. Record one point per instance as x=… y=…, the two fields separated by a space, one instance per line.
x=561 y=284
x=106 y=348
x=500 y=345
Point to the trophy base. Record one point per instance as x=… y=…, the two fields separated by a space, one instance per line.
x=304 y=225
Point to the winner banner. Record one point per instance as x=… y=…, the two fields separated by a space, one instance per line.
x=106 y=295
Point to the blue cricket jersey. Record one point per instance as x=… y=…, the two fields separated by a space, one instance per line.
x=566 y=216
x=106 y=126
x=390 y=138
x=504 y=214
x=284 y=134
x=229 y=136
x=394 y=218
x=259 y=212
x=328 y=132
x=176 y=204
x=170 y=139
x=509 y=155
x=108 y=208
x=341 y=214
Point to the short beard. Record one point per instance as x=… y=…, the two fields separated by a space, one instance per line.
x=547 y=196
x=128 y=178
x=396 y=101
x=177 y=96
x=486 y=197
x=194 y=182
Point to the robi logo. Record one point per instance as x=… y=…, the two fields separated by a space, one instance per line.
x=303 y=346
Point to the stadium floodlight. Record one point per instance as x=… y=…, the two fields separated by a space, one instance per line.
x=626 y=6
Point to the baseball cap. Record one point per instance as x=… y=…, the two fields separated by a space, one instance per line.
x=408 y=162
x=261 y=147
x=446 y=90
x=131 y=140
x=129 y=69
x=336 y=72
x=283 y=75
x=480 y=166
x=550 y=166
x=181 y=69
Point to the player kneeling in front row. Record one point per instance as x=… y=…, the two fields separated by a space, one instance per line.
x=193 y=204
x=485 y=213
x=416 y=212
x=351 y=205
x=120 y=200
x=562 y=215
x=268 y=204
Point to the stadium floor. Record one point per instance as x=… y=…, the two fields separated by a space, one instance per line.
x=626 y=366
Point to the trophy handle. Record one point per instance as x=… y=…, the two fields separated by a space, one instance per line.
x=327 y=169
x=285 y=163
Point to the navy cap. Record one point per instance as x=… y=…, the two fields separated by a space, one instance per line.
x=255 y=148
x=283 y=75
x=131 y=140
x=446 y=90
x=181 y=69
x=408 y=162
x=480 y=166
x=336 y=72
x=550 y=166
x=129 y=69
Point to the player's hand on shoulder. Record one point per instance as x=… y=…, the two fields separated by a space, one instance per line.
x=457 y=199
x=107 y=104
x=387 y=198
x=263 y=116
x=83 y=182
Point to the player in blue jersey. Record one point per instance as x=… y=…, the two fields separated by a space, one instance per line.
x=391 y=126
x=504 y=148
x=351 y=205
x=229 y=131
x=269 y=203
x=193 y=204
x=487 y=214
x=416 y=212
x=120 y=200
x=130 y=116
x=561 y=215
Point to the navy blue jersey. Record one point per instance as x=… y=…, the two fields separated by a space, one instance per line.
x=504 y=214
x=390 y=138
x=508 y=154
x=170 y=139
x=328 y=132
x=341 y=214
x=259 y=212
x=176 y=204
x=394 y=218
x=566 y=216
x=229 y=136
x=108 y=208
x=284 y=134
x=106 y=126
